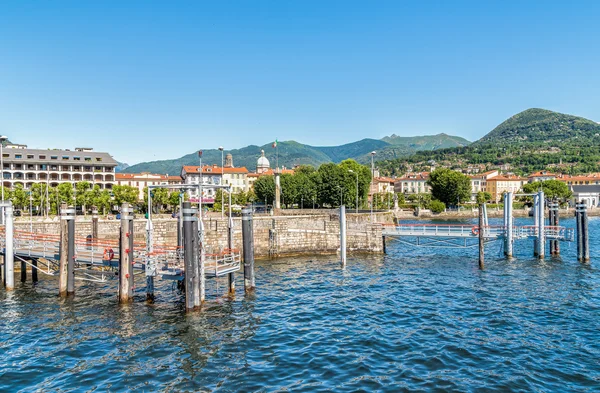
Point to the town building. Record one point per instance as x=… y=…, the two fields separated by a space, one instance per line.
x=141 y=181
x=500 y=184
x=588 y=194
x=413 y=183
x=479 y=182
x=214 y=175
x=383 y=185
x=541 y=176
x=25 y=166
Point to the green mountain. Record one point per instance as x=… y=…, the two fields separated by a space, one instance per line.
x=541 y=126
x=532 y=140
x=426 y=142
x=291 y=153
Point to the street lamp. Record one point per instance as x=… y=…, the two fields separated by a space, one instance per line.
x=222 y=180
x=2 y=139
x=372 y=180
x=356 y=173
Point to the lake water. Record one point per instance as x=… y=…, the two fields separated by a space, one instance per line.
x=413 y=320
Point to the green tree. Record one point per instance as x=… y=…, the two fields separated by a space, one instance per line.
x=289 y=189
x=174 y=197
x=437 y=206
x=552 y=189
x=449 y=186
x=124 y=193
x=483 y=197
x=19 y=197
x=264 y=188
x=103 y=201
x=83 y=196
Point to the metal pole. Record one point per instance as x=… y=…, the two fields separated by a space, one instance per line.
x=557 y=223
x=356 y=193
x=196 y=264
x=371 y=185
x=126 y=255
x=2 y=165
x=70 y=212
x=201 y=266
x=343 y=235
x=541 y=230
x=505 y=215
x=223 y=183
x=585 y=233
x=579 y=227
x=63 y=251
x=34 y=270
x=188 y=214
x=481 y=238
x=248 y=249
x=509 y=229
x=536 y=215
x=230 y=276
x=9 y=261
x=94 y=223
x=150 y=262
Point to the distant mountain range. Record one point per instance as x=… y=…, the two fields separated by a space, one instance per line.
x=531 y=140
x=292 y=153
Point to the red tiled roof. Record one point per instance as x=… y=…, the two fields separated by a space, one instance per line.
x=212 y=169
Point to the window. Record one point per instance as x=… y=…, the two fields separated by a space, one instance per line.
x=77 y=158
x=18 y=156
x=98 y=159
x=5 y=155
x=65 y=157
x=87 y=158
x=42 y=157
x=54 y=157
x=30 y=156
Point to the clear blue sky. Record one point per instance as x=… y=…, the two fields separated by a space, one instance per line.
x=150 y=80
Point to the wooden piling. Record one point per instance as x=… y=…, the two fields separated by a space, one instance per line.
x=481 y=238
x=126 y=255
x=248 y=249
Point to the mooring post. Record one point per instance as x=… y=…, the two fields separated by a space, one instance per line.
x=536 y=213
x=505 y=223
x=188 y=216
x=541 y=229
x=201 y=267
x=63 y=251
x=230 y=276
x=71 y=252
x=556 y=223
x=481 y=238
x=585 y=232
x=94 y=224
x=510 y=228
x=150 y=268
x=248 y=249
x=126 y=255
x=343 y=235
x=196 y=263
x=579 y=231
x=9 y=261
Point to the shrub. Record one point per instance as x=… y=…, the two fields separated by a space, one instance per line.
x=437 y=206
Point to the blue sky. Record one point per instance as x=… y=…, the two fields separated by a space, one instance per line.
x=148 y=80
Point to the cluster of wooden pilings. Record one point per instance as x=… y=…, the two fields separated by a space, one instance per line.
x=192 y=241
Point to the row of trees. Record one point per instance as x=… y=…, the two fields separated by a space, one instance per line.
x=331 y=185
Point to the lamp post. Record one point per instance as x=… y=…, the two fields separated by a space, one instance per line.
x=340 y=187
x=2 y=139
x=356 y=173
x=201 y=187
x=222 y=180
x=372 y=180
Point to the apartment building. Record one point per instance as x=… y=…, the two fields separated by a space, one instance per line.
x=141 y=180
x=211 y=176
x=500 y=184
x=25 y=166
x=413 y=183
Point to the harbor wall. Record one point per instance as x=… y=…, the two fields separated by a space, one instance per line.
x=273 y=235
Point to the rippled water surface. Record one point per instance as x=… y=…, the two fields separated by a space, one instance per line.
x=414 y=320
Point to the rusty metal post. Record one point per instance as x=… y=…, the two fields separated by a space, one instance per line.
x=126 y=255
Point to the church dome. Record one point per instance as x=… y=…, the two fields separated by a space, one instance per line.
x=262 y=163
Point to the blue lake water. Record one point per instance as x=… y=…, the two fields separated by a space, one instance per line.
x=412 y=320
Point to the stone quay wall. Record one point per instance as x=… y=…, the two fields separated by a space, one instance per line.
x=273 y=235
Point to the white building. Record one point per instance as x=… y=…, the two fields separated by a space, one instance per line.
x=25 y=166
x=141 y=180
x=211 y=176
x=413 y=183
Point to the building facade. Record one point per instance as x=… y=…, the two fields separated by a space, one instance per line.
x=413 y=183
x=500 y=184
x=25 y=166
x=141 y=181
x=213 y=176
